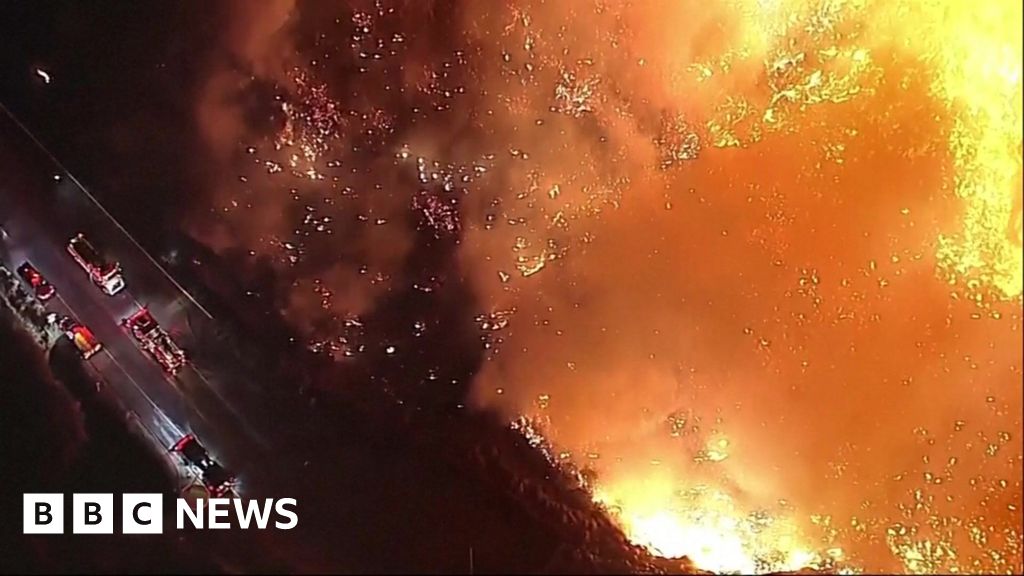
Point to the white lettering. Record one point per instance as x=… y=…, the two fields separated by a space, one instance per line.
x=283 y=511
x=218 y=509
x=184 y=509
x=252 y=508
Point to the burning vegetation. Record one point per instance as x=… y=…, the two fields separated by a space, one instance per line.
x=751 y=270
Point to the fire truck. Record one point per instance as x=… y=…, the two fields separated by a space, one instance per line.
x=103 y=273
x=156 y=341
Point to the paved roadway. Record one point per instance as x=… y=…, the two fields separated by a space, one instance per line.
x=385 y=492
x=258 y=435
x=41 y=207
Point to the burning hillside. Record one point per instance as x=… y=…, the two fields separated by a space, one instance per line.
x=751 y=269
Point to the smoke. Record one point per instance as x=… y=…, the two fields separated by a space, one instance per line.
x=714 y=230
x=256 y=47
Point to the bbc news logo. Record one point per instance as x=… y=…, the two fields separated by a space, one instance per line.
x=144 y=513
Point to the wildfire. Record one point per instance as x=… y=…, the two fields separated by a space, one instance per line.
x=976 y=53
x=758 y=144
x=973 y=58
x=705 y=525
x=820 y=52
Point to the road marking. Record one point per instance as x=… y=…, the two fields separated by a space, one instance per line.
x=156 y=408
x=185 y=398
x=105 y=350
x=252 y=433
x=102 y=209
x=173 y=381
x=160 y=414
x=181 y=473
x=178 y=433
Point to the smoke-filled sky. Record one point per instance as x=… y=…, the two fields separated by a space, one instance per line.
x=754 y=267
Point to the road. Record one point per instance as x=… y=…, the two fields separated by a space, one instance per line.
x=371 y=498
x=41 y=208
